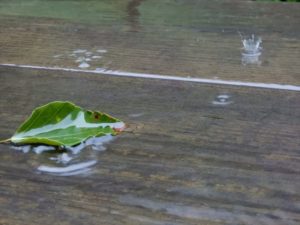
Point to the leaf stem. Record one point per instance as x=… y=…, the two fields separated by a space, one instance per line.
x=5 y=141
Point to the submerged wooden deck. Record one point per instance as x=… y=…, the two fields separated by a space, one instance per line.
x=186 y=160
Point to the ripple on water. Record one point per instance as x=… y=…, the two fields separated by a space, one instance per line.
x=73 y=169
x=68 y=161
x=222 y=100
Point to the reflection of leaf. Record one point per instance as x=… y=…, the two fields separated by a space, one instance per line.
x=63 y=123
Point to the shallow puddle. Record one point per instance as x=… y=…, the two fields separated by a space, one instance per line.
x=67 y=161
x=203 y=212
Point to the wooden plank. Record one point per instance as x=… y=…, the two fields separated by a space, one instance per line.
x=185 y=160
x=194 y=38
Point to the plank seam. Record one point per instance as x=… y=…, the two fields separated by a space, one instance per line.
x=164 y=77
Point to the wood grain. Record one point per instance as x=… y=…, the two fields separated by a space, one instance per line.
x=185 y=160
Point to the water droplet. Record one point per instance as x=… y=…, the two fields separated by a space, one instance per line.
x=80 y=59
x=79 y=51
x=73 y=169
x=62 y=158
x=252 y=50
x=57 y=56
x=135 y=115
x=43 y=148
x=101 y=50
x=96 y=57
x=23 y=148
x=84 y=65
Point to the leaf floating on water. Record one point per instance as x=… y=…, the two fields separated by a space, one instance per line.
x=65 y=124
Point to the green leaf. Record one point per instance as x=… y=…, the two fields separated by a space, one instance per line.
x=64 y=124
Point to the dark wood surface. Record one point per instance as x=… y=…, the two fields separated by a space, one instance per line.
x=186 y=161
x=183 y=159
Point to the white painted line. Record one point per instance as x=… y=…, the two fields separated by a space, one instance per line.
x=165 y=77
